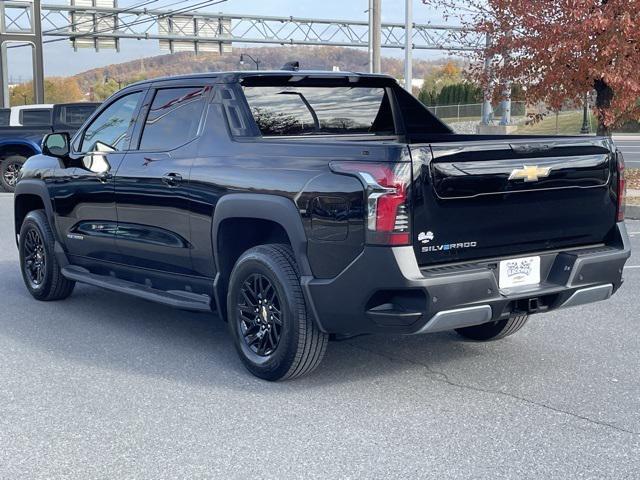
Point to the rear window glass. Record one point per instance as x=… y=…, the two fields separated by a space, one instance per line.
x=75 y=115
x=174 y=118
x=35 y=116
x=5 y=115
x=290 y=110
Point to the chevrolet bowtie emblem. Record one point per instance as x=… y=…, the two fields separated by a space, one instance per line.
x=530 y=174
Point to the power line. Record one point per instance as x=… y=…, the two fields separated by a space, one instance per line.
x=119 y=12
x=203 y=4
x=83 y=22
x=96 y=33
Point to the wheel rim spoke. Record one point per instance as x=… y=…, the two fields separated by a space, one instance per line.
x=34 y=260
x=11 y=174
x=259 y=315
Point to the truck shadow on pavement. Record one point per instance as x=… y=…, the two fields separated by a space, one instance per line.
x=107 y=330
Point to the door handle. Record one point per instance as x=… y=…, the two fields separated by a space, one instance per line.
x=171 y=179
x=104 y=177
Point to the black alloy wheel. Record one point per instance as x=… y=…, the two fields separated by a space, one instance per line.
x=259 y=315
x=40 y=269
x=35 y=258
x=273 y=331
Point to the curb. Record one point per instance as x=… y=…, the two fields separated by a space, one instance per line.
x=632 y=212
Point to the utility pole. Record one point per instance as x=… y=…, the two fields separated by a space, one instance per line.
x=506 y=105
x=408 y=45
x=369 y=40
x=487 y=109
x=375 y=28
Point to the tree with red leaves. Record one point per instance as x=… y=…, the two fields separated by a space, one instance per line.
x=559 y=50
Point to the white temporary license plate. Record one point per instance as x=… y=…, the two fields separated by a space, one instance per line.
x=518 y=272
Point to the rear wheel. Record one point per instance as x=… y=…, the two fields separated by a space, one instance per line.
x=494 y=330
x=273 y=332
x=9 y=172
x=40 y=269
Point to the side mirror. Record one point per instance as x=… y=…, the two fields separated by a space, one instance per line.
x=56 y=145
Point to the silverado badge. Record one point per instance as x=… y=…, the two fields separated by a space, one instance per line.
x=530 y=174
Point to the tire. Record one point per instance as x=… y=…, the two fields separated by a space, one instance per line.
x=494 y=330
x=40 y=269
x=280 y=340
x=9 y=170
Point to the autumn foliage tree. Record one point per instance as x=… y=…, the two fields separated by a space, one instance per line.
x=56 y=90
x=559 y=50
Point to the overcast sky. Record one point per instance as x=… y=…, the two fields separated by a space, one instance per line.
x=60 y=59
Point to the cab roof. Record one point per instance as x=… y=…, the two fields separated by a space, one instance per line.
x=283 y=75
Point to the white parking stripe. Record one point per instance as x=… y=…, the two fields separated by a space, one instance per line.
x=630 y=267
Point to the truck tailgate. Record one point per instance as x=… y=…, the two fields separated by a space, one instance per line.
x=494 y=198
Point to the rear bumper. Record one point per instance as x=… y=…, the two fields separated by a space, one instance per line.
x=385 y=291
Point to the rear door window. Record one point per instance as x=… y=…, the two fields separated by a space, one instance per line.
x=174 y=118
x=290 y=110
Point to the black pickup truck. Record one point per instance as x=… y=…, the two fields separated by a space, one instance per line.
x=305 y=205
x=19 y=142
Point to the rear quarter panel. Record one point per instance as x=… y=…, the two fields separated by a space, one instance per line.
x=331 y=206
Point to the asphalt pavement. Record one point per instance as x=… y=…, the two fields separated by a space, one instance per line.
x=630 y=147
x=106 y=386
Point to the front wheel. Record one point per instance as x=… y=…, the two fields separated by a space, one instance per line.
x=494 y=330
x=40 y=269
x=10 y=171
x=273 y=332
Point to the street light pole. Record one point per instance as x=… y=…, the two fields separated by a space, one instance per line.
x=257 y=62
x=119 y=82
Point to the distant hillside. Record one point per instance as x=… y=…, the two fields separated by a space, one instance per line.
x=311 y=58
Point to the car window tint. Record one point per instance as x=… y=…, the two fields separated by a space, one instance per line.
x=174 y=118
x=289 y=110
x=35 y=117
x=75 y=115
x=111 y=126
x=5 y=115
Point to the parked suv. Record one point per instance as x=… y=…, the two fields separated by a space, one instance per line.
x=301 y=205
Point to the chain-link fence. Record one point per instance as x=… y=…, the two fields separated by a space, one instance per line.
x=528 y=119
x=473 y=111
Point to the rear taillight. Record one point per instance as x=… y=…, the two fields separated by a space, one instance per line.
x=622 y=187
x=387 y=187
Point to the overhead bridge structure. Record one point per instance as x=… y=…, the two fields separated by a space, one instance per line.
x=100 y=24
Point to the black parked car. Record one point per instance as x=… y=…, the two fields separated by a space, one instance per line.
x=301 y=205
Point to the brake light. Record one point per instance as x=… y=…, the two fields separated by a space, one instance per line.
x=622 y=187
x=387 y=186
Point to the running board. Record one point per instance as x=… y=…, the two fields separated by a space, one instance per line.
x=172 y=298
